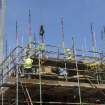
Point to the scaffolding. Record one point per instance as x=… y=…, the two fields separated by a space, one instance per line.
x=82 y=82
x=2 y=23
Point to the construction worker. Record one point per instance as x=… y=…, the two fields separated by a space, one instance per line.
x=41 y=30
x=41 y=47
x=98 y=102
x=68 y=53
x=41 y=33
x=28 y=66
x=63 y=72
x=28 y=63
x=94 y=65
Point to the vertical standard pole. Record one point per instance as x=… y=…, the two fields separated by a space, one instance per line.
x=77 y=72
x=40 y=70
x=94 y=47
x=65 y=69
x=63 y=44
x=6 y=49
x=17 y=67
x=22 y=41
x=35 y=38
x=2 y=88
x=93 y=39
x=30 y=29
x=17 y=85
x=58 y=54
x=2 y=96
x=2 y=21
x=62 y=29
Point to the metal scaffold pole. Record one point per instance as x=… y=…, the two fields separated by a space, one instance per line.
x=2 y=89
x=40 y=70
x=79 y=89
x=2 y=24
x=2 y=21
x=2 y=96
x=17 y=85
x=62 y=30
x=17 y=67
x=94 y=47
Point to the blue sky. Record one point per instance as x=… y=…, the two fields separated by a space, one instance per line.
x=78 y=14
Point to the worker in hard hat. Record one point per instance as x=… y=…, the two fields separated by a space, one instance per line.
x=98 y=102
x=94 y=65
x=28 y=66
x=68 y=53
x=41 y=33
x=41 y=47
x=63 y=72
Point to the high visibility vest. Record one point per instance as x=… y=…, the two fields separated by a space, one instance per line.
x=41 y=47
x=69 y=54
x=28 y=63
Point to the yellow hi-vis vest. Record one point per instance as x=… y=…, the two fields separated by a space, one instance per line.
x=28 y=63
x=69 y=54
x=41 y=47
